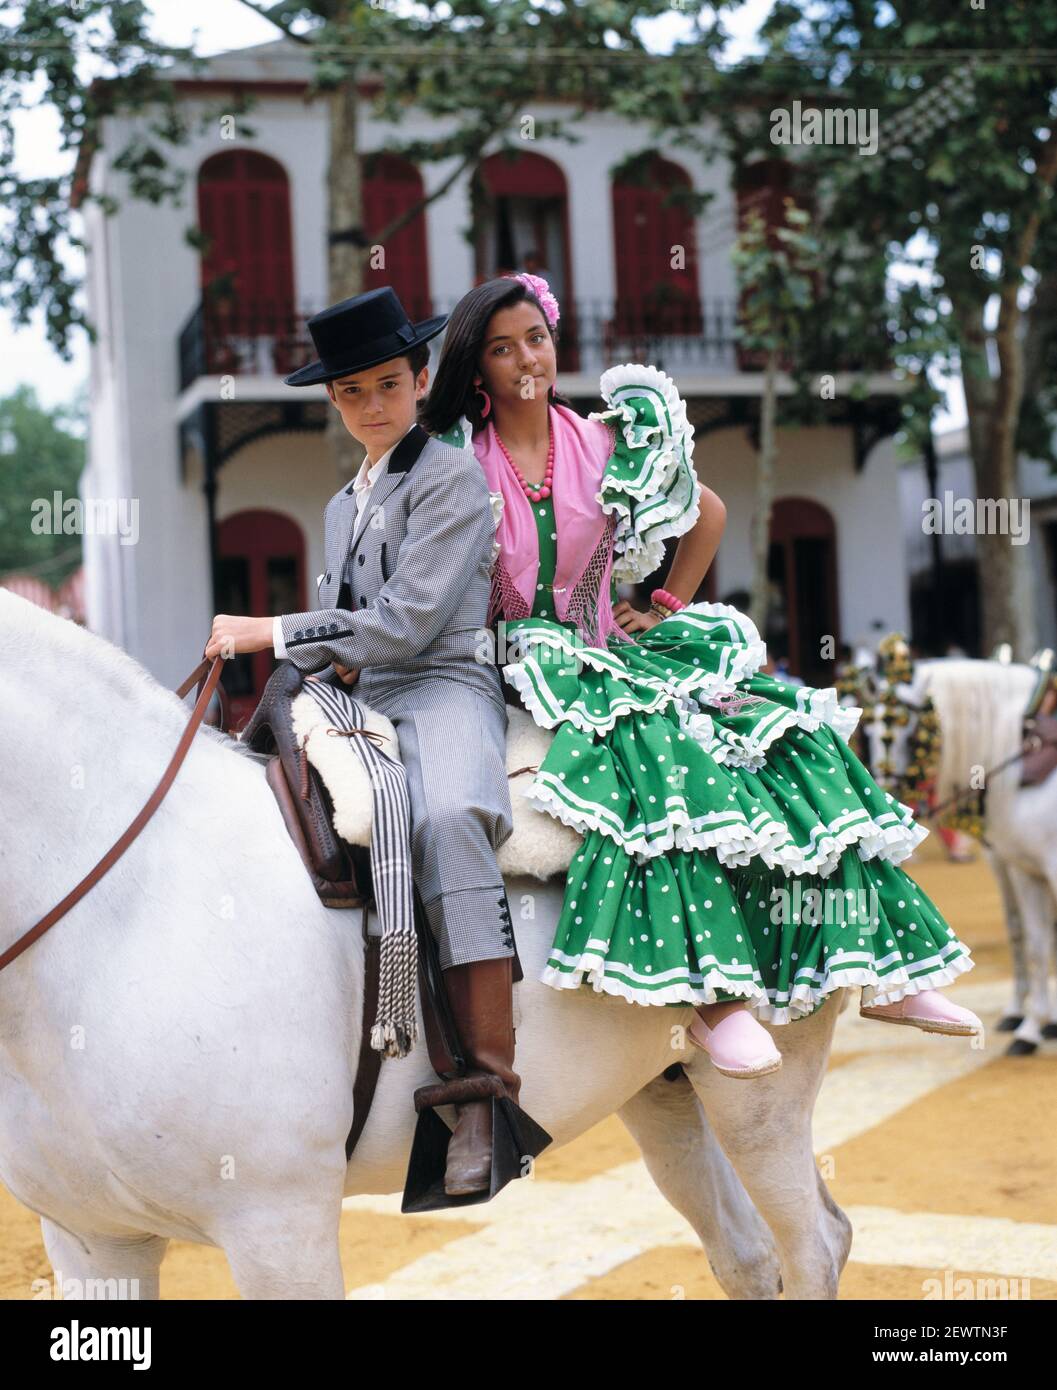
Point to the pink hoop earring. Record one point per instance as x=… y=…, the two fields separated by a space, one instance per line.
x=487 y=402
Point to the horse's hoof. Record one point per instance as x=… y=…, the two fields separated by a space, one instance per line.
x=1050 y=1031
x=1020 y=1048
x=1009 y=1023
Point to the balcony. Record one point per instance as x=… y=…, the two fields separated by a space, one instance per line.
x=693 y=338
x=266 y=340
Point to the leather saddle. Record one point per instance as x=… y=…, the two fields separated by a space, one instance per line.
x=341 y=875
x=340 y=872
x=1040 y=735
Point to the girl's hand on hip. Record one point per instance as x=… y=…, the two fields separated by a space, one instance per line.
x=632 y=619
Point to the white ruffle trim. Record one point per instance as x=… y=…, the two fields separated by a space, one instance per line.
x=822 y=706
x=497 y=501
x=518 y=676
x=802 y=1001
x=591 y=968
x=634 y=557
x=745 y=661
x=736 y=846
x=804 y=998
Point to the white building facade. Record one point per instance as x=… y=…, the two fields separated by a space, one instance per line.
x=231 y=468
x=957 y=596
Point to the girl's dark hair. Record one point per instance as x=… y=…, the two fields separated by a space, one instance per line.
x=453 y=393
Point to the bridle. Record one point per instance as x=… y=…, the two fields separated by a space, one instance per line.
x=207 y=677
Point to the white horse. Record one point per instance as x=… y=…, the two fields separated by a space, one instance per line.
x=177 y=1055
x=981 y=707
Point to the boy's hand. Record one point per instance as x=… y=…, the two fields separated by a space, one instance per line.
x=349 y=674
x=231 y=636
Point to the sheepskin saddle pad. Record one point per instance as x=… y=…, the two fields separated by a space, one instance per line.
x=540 y=846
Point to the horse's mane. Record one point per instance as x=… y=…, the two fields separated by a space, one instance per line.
x=31 y=636
x=981 y=707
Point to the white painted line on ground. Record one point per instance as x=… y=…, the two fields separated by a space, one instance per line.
x=942 y=1240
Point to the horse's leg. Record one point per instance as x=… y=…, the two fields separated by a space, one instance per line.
x=764 y=1125
x=286 y=1250
x=103 y=1267
x=1014 y=1015
x=691 y=1170
x=1036 y=902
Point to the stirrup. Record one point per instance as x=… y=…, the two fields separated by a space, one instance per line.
x=515 y=1137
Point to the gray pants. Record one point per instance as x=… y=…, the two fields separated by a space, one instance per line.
x=451 y=722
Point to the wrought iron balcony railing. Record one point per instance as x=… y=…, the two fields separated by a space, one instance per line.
x=264 y=339
x=698 y=336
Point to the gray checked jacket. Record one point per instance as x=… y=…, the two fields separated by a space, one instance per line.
x=413 y=587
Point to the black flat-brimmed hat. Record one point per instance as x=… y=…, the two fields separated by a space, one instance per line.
x=362 y=332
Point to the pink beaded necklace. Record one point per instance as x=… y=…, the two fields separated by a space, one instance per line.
x=535 y=492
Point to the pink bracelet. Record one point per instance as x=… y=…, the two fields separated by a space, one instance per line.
x=669 y=600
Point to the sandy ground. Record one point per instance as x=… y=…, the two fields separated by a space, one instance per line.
x=945 y=1161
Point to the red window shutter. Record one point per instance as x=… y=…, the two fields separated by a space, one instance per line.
x=390 y=187
x=244 y=214
x=652 y=295
x=764 y=186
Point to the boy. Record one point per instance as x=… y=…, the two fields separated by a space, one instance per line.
x=402 y=605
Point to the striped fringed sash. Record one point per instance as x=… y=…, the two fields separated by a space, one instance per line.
x=394 y=1032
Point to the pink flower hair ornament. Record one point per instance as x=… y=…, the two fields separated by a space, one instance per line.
x=542 y=291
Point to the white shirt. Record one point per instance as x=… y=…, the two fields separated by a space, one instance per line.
x=362 y=485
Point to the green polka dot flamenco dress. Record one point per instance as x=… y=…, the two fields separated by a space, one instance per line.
x=733 y=845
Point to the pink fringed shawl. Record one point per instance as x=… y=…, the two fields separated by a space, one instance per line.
x=585 y=534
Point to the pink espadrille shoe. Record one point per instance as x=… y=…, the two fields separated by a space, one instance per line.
x=738 y=1045
x=929 y=1011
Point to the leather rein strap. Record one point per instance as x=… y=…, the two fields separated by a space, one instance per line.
x=208 y=678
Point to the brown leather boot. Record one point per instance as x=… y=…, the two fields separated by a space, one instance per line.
x=482 y=1004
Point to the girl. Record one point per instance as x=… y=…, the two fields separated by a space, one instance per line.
x=736 y=854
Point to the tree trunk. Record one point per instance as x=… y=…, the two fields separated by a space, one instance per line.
x=1007 y=605
x=345 y=241
x=761 y=533
x=994 y=407
x=1003 y=569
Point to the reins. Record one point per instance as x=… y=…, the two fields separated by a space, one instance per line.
x=208 y=679
x=1031 y=744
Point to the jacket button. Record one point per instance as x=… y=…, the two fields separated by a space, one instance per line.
x=363 y=600
x=333 y=627
x=298 y=636
x=360 y=558
x=328 y=578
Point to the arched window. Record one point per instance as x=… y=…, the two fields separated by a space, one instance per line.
x=244 y=216
x=522 y=217
x=656 y=250
x=247 y=262
x=391 y=186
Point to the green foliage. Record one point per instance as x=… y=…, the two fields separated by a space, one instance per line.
x=774 y=273
x=476 y=66
x=41 y=451
x=49 y=55
x=965 y=100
